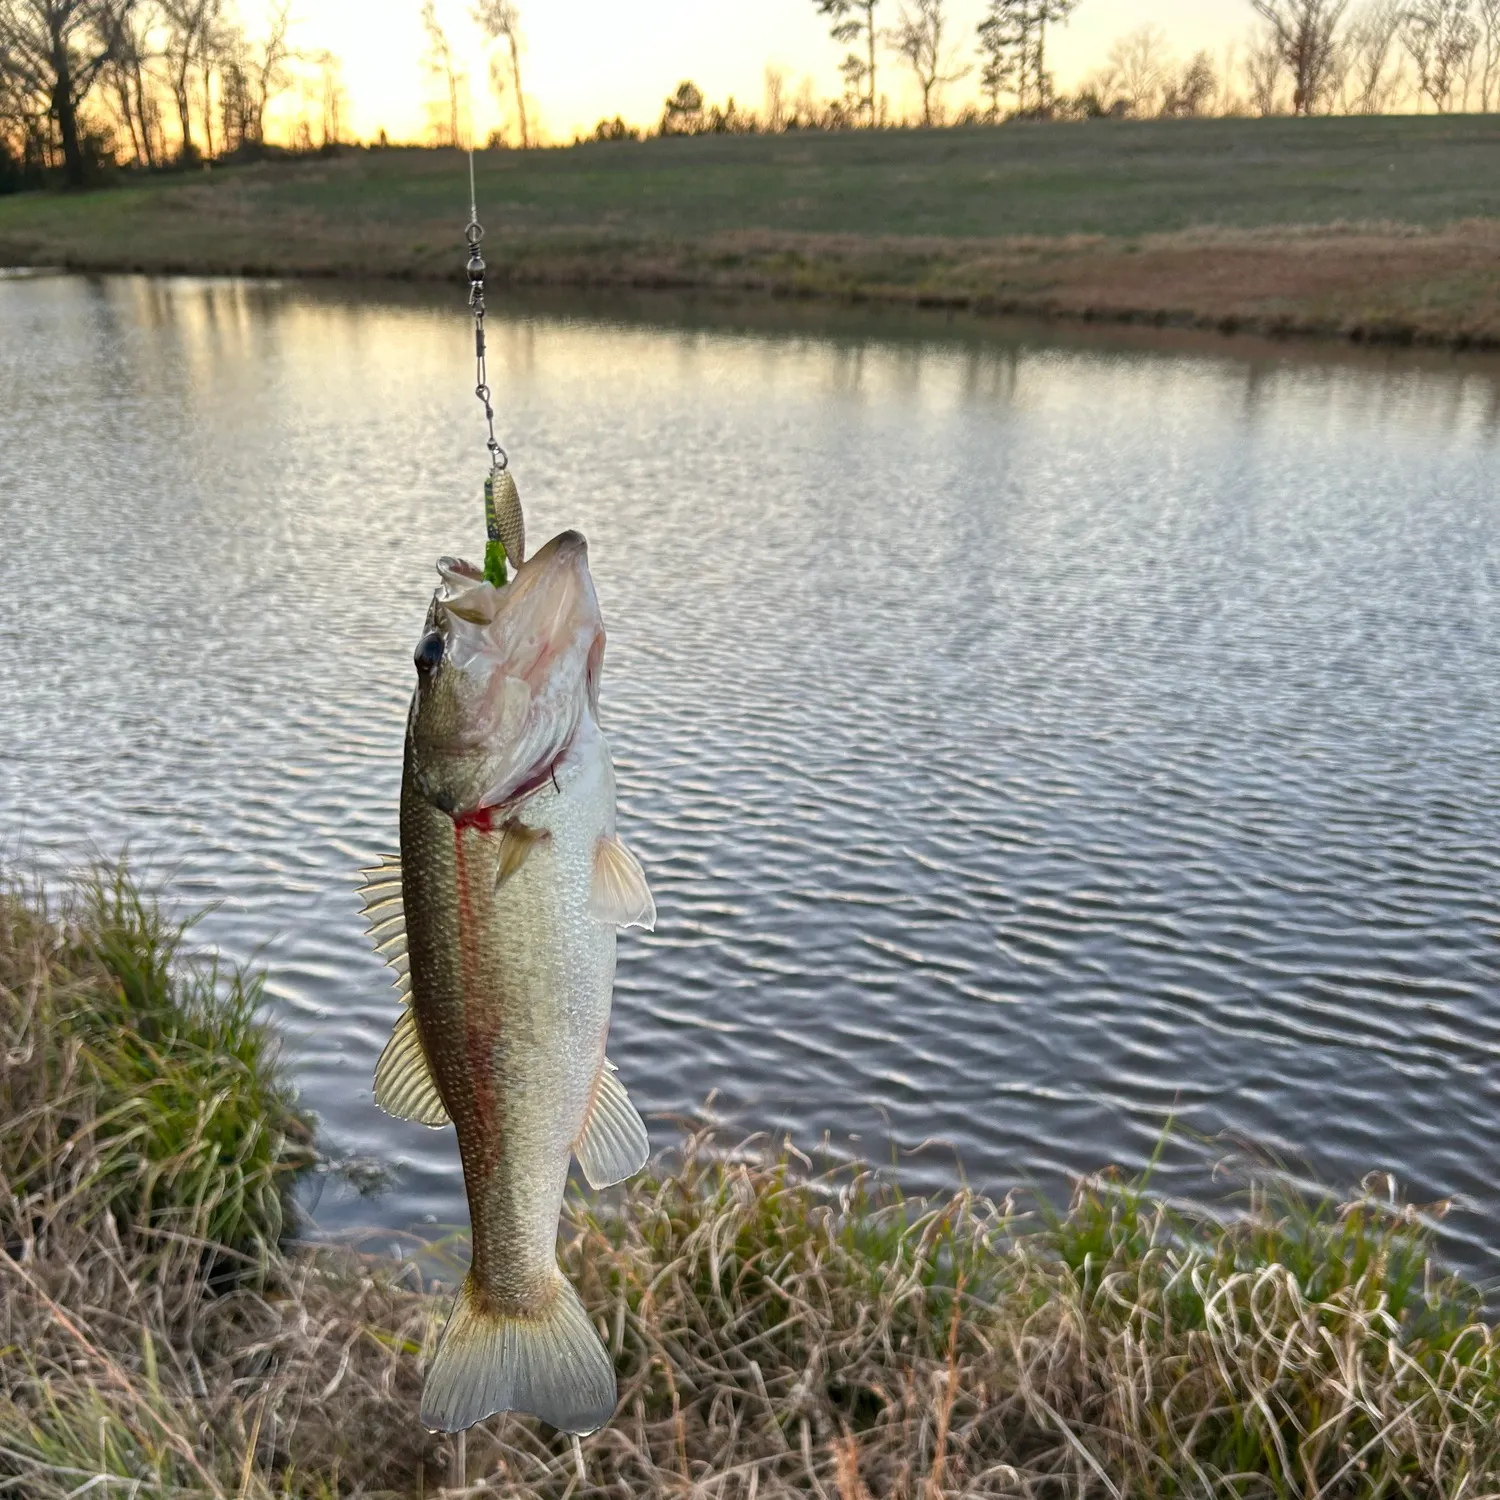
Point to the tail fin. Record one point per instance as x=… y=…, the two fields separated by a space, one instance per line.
x=549 y=1363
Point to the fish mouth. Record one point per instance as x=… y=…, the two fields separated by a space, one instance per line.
x=467 y=595
x=565 y=544
x=496 y=715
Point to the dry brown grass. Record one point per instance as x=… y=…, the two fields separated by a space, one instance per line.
x=1375 y=284
x=778 y=1328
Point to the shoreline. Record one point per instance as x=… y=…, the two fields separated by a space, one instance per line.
x=773 y=315
x=1380 y=231
x=1081 y=292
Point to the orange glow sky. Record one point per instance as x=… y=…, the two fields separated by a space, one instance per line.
x=585 y=59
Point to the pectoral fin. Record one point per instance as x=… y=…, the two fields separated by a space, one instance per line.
x=516 y=842
x=404 y=1085
x=620 y=893
x=614 y=1144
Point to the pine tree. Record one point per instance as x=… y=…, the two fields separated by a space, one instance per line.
x=1013 y=46
x=854 y=22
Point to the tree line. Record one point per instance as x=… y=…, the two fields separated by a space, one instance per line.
x=1300 y=57
x=156 y=83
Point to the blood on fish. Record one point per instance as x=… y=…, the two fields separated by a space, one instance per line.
x=482 y=820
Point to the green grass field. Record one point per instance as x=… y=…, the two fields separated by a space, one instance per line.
x=1327 y=225
x=1113 y=178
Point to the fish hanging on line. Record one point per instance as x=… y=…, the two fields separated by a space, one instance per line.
x=500 y=918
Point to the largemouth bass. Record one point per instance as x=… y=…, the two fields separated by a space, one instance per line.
x=500 y=917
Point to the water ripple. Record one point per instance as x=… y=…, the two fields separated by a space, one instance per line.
x=1024 y=742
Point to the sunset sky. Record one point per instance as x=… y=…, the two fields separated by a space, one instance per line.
x=585 y=59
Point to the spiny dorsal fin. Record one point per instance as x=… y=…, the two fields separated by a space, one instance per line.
x=382 y=887
x=404 y=1085
x=619 y=893
x=387 y=913
x=613 y=1144
x=516 y=842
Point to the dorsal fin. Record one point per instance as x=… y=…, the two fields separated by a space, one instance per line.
x=381 y=887
x=383 y=905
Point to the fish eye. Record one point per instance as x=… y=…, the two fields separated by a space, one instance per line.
x=429 y=653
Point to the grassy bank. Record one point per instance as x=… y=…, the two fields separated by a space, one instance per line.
x=1376 y=229
x=777 y=1329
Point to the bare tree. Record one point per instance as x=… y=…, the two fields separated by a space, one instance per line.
x=804 y=112
x=1440 y=37
x=918 y=37
x=854 y=23
x=776 y=112
x=500 y=86
x=501 y=21
x=1489 y=61
x=438 y=60
x=188 y=27
x=333 y=95
x=23 y=119
x=124 y=77
x=215 y=45
x=55 y=51
x=1264 y=65
x=1370 y=48
x=236 y=92
x=1304 y=35
x=1137 y=72
x=1193 y=91
x=1229 y=103
x=271 y=71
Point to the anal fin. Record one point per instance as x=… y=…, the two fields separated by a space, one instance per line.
x=404 y=1086
x=619 y=892
x=613 y=1144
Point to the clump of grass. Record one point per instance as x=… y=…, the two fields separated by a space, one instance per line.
x=138 y=1084
x=778 y=1328
x=159 y=1335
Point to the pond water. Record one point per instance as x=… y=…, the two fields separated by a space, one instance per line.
x=1027 y=736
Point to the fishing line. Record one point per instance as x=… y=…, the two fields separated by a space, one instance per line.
x=504 y=526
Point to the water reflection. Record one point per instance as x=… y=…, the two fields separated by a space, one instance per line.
x=1029 y=732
